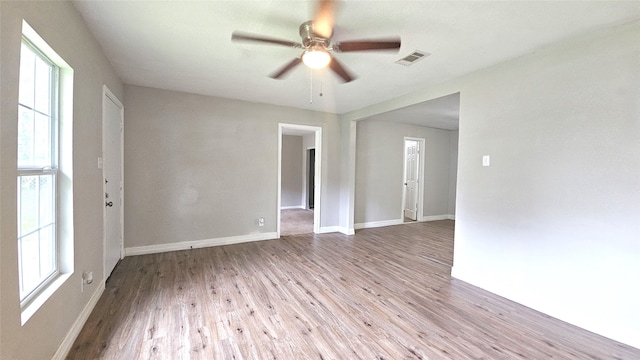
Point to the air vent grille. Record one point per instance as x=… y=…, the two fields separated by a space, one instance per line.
x=413 y=58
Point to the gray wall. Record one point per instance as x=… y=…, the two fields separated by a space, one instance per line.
x=554 y=222
x=379 y=170
x=199 y=167
x=292 y=171
x=65 y=31
x=453 y=170
x=347 y=175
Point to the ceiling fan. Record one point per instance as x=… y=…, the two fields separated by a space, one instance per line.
x=317 y=45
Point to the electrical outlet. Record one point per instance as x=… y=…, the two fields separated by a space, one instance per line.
x=261 y=221
x=87 y=278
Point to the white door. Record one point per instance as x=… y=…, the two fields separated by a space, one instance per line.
x=112 y=126
x=411 y=159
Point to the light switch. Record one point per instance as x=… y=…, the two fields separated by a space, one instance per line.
x=486 y=160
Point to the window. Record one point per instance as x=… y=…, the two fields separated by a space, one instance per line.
x=37 y=171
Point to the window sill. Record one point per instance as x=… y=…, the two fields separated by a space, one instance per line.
x=30 y=309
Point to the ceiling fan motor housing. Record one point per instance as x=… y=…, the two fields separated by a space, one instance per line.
x=310 y=38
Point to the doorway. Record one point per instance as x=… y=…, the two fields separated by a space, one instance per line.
x=311 y=177
x=311 y=171
x=413 y=188
x=112 y=170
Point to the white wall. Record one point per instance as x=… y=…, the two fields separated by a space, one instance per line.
x=379 y=170
x=554 y=222
x=65 y=31
x=292 y=171
x=205 y=168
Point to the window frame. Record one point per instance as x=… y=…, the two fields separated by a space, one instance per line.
x=52 y=170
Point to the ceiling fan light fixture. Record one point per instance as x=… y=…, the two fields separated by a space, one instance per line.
x=316 y=58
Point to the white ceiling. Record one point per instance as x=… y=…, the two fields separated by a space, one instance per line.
x=440 y=113
x=186 y=45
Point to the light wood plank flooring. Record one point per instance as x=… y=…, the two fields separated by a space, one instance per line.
x=384 y=293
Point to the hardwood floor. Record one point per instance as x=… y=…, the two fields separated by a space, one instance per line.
x=384 y=293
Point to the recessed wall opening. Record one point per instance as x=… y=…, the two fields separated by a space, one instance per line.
x=299 y=176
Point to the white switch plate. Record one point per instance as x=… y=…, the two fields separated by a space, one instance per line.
x=100 y=162
x=486 y=160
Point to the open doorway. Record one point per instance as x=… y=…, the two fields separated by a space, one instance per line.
x=311 y=177
x=299 y=177
x=413 y=187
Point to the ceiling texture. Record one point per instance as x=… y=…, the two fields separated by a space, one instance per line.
x=186 y=45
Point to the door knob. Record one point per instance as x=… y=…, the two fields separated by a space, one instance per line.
x=109 y=204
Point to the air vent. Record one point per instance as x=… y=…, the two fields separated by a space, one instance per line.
x=413 y=58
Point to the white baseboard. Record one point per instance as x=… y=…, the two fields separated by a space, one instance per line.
x=374 y=224
x=438 y=217
x=72 y=335
x=186 y=245
x=291 y=207
x=347 y=231
x=340 y=229
x=328 y=229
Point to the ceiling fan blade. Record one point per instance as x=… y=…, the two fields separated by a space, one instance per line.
x=323 y=19
x=366 y=45
x=280 y=73
x=238 y=36
x=340 y=70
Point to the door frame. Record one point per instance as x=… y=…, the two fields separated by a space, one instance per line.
x=420 y=187
x=318 y=172
x=108 y=95
x=305 y=200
